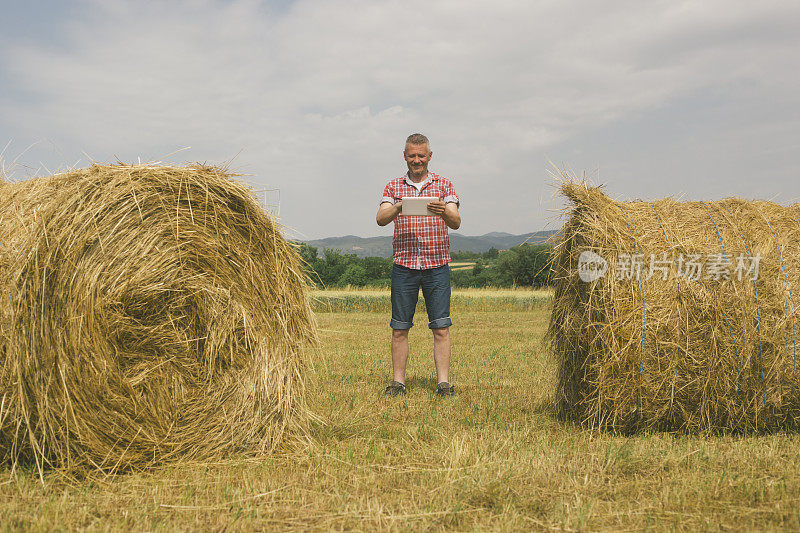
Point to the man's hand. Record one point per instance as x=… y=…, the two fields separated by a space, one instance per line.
x=436 y=207
x=388 y=212
x=448 y=211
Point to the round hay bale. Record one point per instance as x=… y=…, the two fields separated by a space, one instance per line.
x=149 y=313
x=656 y=341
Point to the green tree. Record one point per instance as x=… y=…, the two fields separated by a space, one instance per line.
x=332 y=266
x=377 y=267
x=463 y=255
x=525 y=265
x=461 y=278
x=354 y=274
x=310 y=261
x=307 y=252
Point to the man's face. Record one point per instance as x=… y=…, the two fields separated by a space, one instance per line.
x=417 y=157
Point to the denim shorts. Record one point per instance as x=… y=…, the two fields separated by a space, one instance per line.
x=435 y=283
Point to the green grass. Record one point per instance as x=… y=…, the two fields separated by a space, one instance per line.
x=493 y=458
x=471 y=300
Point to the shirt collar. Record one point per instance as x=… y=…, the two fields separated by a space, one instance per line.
x=430 y=177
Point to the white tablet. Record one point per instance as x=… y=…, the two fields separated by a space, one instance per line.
x=418 y=205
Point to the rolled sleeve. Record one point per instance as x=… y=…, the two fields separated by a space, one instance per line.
x=388 y=195
x=450 y=196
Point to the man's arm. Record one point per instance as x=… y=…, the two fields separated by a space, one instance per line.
x=448 y=211
x=388 y=212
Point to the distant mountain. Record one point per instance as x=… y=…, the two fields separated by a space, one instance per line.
x=382 y=246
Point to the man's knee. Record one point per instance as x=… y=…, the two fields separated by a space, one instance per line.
x=399 y=334
x=441 y=333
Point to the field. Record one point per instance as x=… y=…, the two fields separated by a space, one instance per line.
x=377 y=300
x=462 y=265
x=493 y=458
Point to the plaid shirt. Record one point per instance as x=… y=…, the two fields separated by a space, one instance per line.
x=420 y=242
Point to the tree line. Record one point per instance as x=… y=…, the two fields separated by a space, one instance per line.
x=526 y=265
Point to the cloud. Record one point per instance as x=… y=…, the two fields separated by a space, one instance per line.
x=319 y=94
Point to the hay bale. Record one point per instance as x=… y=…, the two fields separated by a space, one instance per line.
x=694 y=352
x=149 y=313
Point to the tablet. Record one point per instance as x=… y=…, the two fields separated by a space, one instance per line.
x=418 y=205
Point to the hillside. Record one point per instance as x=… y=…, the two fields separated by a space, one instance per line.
x=382 y=246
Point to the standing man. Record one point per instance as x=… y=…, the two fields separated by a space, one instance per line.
x=421 y=254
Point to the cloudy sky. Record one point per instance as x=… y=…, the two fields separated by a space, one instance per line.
x=313 y=98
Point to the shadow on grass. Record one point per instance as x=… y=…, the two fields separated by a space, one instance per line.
x=421 y=383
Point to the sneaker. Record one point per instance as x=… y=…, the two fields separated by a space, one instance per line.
x=445 y=389
x=395 y=388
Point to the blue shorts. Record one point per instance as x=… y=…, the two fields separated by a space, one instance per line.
x=435 y=283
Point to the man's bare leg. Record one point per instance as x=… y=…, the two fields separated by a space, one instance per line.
x=441 y=353
x=399 y=354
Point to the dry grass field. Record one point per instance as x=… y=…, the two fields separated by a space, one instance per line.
x=462 y=265
x=493 y=458
x=377 y=300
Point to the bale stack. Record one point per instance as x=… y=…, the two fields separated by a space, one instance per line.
x=148 y=313
x=707 y=349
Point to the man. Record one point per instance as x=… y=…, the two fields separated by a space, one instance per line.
x=421 y=256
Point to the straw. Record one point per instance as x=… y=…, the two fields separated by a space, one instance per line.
x=713 y=355
x=150 y=313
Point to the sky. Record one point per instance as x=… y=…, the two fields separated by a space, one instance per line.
x=311 y=100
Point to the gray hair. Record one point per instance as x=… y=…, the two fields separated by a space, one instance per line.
x=418 y=139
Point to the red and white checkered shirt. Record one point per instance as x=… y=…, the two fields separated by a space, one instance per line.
x=420 y=242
